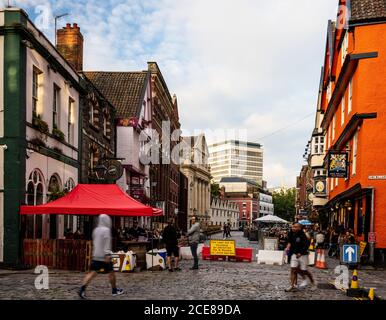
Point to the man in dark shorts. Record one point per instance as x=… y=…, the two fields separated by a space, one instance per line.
x=298 y=244
x=170 y=238
x=101 y=256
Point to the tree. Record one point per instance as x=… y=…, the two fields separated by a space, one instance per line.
x=214 y=190
x=284 y=202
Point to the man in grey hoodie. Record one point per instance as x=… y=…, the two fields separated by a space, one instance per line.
x=194 y=239
x=101 y=256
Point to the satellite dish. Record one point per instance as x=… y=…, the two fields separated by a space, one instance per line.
x=114 y=170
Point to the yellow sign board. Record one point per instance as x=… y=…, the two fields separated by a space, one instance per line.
x=362 y=246
x=222 y=247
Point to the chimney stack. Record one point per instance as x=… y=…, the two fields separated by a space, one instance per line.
x=70 y=45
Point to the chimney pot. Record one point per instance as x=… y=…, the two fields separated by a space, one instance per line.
x=68 y=25
x=75 y=26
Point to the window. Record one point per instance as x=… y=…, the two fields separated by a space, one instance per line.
x=35 y=91
x=56 y=107
x=354 y=154
x=343 y=110
x=329 y=92
x=316 y=145
x=91 y=113
x=34 y=196
x=331 y=183
x=336 y=182
x=329 y=136
x=69 y=185
x=349 y=107
x=70 y=121
x=344 y=47
x=333 y=127
x=105 y=125
x=91 y=159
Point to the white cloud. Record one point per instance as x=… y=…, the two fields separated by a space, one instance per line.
x=250 y=64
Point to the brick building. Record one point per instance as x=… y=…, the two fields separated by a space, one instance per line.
x=245 y=194
x=164 y=176
x=352 y=120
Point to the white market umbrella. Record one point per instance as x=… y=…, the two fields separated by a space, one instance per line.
x=271 y=218
x=305 y=222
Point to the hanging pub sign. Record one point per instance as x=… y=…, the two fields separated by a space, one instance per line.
x=320 y=186
x=337 y=165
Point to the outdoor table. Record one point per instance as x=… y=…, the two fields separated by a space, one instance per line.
x=139 y=248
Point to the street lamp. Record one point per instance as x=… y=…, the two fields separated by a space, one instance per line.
x=56 y=23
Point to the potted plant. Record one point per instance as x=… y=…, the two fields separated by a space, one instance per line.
x=39 y=123
x=37 y=142
x=58 y=134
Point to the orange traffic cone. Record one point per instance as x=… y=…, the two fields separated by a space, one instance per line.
x=321 y=259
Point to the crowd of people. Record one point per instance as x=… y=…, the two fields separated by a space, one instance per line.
x=331 y=238
x=102 y=249
x=297 y=240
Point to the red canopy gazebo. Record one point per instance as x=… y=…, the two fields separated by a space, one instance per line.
x=84 y=199
x=95 y=199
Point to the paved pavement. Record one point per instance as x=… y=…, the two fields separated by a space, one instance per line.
x=215 y=280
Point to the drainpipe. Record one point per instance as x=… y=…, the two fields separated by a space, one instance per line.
x=371 y=245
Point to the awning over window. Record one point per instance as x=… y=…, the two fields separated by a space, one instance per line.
x=94 y=199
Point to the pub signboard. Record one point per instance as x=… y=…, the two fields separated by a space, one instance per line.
x=338 y=165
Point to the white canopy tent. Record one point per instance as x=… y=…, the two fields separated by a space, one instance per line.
x=271 y=219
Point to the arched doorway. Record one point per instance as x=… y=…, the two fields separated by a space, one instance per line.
x=34 y=196
x=54 y=188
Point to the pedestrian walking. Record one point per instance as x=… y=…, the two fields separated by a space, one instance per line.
x=350 y=237
x=101 y=256
x=298 y=243
x=229 y=230
x=333 y=251
x=320 y=237
x=194 y=239
x=170 y=238
x=225 y=231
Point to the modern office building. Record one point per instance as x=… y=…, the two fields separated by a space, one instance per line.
x=233 y=158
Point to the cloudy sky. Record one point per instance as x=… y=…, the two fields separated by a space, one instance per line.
x=247 y=64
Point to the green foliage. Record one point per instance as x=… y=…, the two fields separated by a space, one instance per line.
x=38 y=142
x=215 y=190
x=58 y=134
x=40 y=124
x=56 y=194
x=284 y=202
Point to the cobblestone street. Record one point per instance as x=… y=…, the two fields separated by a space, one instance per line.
x=214 y=280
